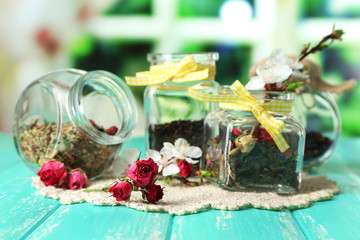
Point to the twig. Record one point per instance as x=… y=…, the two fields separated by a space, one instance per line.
x=254 y=129
x=335 y=35
x=187 y=182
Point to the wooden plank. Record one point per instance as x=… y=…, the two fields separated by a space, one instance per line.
x=336 y=219
x=3 y=135
x=244 y=224
x=24 y=212
x=85 y=221
x=21 y=206
x=339 y=218
x=8 y=154
x=23 y=209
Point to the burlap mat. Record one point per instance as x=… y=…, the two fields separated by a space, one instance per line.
x=180 y=199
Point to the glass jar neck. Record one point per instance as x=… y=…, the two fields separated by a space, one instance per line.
x=184 y=85
x=250 y=113
x=114 y=89
x=261 y=95
x=208 y=58
x=203 y=60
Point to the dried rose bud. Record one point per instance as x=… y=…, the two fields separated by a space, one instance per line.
x=52 y=173
x=243 y=144
x=185 y=168
x=48 y=138
x=236 y=131
x=246 y=143
x=92 y=122
x=77 y=179
x=154 y=193
x=121 y=191
x=112 y=130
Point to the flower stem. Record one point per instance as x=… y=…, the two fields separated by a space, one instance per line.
x=254 y=129
x=187 y=182
x=104 y=189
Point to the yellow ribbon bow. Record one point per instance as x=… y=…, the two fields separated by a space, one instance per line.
x=186 y=70
x=243 y=100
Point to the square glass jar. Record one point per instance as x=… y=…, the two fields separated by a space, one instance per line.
x=169 y=112
x=242 y=156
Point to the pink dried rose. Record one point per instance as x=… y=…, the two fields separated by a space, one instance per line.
x=77 y=179
x=112 y=130
x=143 y=172
x=185 y=168
x=52 y=173
x=121 y=191
x=236 y=131
x=92 y=122
x=263 y=136
x=153 y=193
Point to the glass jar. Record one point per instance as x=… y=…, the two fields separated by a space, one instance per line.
x=171 y=114
x=318 y=113
x=242 y=156
x=76 y=117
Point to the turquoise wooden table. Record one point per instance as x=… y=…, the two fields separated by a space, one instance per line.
x=25 y=214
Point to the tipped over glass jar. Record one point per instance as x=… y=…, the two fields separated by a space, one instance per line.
x=241 y=155
x=76 y=117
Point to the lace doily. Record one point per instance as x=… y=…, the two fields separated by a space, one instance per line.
x=180 y=199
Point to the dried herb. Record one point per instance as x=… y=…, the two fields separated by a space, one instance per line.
x=315 y=145
x=70 y=146
x=264 y=166
x=214 y=157
x=245 y=143
x=192 y=131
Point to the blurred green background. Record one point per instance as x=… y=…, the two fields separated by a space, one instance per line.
x=118 y=38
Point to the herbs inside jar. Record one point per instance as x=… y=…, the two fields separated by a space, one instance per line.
x=39 y=143
x=252 y=143
x=247 y=158
x=169 y=113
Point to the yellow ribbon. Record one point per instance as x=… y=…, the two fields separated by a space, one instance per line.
x=243 y=100
x=186 y=70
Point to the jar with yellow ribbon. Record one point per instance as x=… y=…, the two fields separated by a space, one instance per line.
x=252 y=143
x=169 y=113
